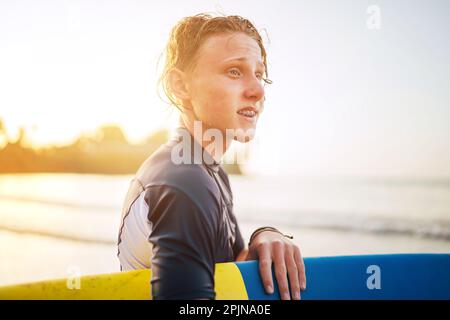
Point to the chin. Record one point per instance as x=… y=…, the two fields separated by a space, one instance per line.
x=244 y=135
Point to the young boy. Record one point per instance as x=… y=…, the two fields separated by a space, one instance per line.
x=178 y=215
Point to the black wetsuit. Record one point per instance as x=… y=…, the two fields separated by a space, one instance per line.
x=178 y=220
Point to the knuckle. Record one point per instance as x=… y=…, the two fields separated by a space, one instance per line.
x=265 y=262
x=280 y=272
x=301 y=267
x=262 y=245
x=295 y=288
x=283 y=288
x=278 y=244
x=289 y=251
x=293 y=268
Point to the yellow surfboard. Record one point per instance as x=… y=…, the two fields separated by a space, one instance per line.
x=129 y=285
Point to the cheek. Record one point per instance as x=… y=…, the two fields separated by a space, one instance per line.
x=218 y=98
x=261 y=105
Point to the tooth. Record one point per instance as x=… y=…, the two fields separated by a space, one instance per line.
x=248 y=113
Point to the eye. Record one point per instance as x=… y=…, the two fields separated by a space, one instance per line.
x=264 y=81
x=234 y=72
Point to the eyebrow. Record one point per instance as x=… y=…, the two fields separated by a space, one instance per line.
x=242 y=59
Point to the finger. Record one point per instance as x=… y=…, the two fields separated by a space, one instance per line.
x=280 y=269
x=265 y=266
x=300 y=267
x=292 y=273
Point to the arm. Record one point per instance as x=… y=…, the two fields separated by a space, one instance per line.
x=182 y=237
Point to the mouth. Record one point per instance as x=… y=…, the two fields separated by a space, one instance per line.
x=248 y=112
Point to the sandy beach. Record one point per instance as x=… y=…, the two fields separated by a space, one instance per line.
x=54 y=225
x=34 y=258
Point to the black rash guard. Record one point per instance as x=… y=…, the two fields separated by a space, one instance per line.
x=178 y=220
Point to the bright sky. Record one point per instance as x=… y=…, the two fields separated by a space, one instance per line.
x=347 y=99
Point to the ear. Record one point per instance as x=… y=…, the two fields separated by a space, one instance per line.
x=177 y=81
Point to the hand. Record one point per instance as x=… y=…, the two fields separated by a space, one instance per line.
x=269 y=246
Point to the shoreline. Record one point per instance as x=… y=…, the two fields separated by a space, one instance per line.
x=30 y=258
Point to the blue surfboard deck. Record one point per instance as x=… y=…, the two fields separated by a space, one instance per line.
x=364 y=277
x=359 y=277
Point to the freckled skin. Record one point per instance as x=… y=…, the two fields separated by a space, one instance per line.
x=216 y=94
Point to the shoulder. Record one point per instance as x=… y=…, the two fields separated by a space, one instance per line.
x=160 y=173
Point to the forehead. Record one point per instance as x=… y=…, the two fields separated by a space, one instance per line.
x=218 y=49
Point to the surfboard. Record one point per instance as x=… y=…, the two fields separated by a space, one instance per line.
x=360 y=277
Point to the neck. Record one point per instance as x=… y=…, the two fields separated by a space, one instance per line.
x=214 y=141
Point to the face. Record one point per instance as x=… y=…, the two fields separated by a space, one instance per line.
x=226 y=85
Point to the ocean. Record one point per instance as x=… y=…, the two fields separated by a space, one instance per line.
x=52 y=225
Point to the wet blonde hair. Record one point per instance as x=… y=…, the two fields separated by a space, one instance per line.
x=190 y=33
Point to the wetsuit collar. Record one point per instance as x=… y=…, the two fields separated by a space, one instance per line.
x=197 y=152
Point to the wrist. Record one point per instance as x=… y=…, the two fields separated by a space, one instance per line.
x=263 y=229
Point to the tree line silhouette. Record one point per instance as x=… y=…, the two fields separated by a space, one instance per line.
x=105 y=152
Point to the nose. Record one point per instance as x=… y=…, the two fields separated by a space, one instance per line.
x=254 y=90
